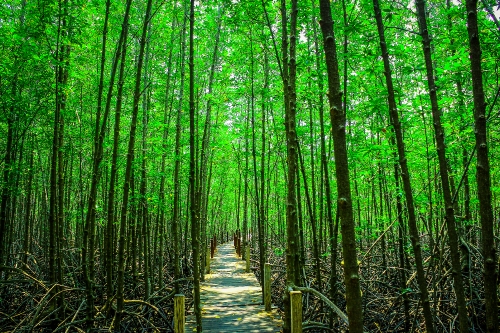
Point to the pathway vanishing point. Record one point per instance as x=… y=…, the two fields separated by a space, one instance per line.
x=231 y=299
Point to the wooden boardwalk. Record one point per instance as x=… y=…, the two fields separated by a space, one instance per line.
x=231 y=299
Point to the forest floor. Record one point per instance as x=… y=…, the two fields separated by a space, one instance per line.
x=231 y=299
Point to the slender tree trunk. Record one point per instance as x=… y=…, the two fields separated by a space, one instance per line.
x=314 y=221
x=162 y=208
x=414 y=234
x=128 y=171
x=289 y=86
x=333 y=230
x=114 y=172
x=144 y=208
x=61 y=96
x=133 y=230
x=255 y=174
x=429 y=186
x=202 y=190
x=467 y=212
x=176 y=214
x=381 y=219
x=332 y=227
x=27 y=217
x=56 y=179
x=245 y=196
x=89 y=228
x=338 y=119
x=401 y=244
x=262 y=215
x=13 y=213
x=301 y=241
x=195 y=226
x=443 y=170
x=53 y=176
x=312 y=218
x=483 y=176
x=6 y=191
x=81 y=199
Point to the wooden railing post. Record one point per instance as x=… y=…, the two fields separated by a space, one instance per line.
x=247 y=255
x=267 y=286
x=296 y=311
x=179 y=315
x=207 y=265
x=212 y=248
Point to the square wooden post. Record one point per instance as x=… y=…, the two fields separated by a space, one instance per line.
x=212 y=248
x=267 y=286
x=296 y=311
x=247 y=255
x=179 y=314
x=207 y=264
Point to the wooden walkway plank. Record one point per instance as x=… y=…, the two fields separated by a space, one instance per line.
x=231 y=299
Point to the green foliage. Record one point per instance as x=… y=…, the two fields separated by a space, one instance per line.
x=28 y=44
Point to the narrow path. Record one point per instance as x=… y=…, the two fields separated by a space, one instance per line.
x=231 y=299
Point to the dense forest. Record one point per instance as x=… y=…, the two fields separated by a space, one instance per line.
x=351 y=143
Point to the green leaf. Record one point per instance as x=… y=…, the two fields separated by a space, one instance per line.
x=406 y=291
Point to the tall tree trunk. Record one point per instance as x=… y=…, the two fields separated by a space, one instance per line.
x=27 y=217
x=176 y=214
x=8 y=184
x=6 y=191
x=443 y=171
x=332 y=227
x=61 y=100
x=338 y=120
x=89 y=228
x=260 y=228
x=144 y=209
x=133 y=231
x=300 y=225
x=401 y=244
x=381 y=220
x=114 y=173
x=289 y=87
x=262 y=215
x=81 y=199
x=414 y=234
x=312 y=218
x=483 y=176
x=245 y=195
x=429 y=186
x=167 y=115
x=467 y=213
x=56 y=179
x=53 y=173
x=194 y=211
x=128 y=171
x=202 y=191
